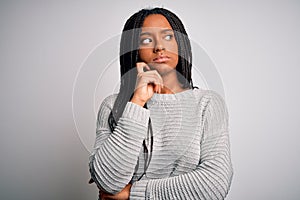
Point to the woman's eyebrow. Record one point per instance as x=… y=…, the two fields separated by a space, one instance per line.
x=166 y=30
x=145 y=33
x=162 y=31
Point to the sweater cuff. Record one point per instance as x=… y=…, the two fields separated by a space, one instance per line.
x=138 y=190
x=137 y=113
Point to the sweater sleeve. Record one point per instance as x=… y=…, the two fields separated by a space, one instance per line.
x=212 y=177
x=115 y=154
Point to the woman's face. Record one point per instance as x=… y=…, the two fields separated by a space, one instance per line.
x=157 y=45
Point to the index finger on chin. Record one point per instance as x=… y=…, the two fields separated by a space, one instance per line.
x=140 y=67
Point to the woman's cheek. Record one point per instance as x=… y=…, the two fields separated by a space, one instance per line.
x=145 y=55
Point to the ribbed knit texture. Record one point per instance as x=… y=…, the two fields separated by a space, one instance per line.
x=191 y=148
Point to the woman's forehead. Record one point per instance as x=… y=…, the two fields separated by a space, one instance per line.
x=156 y=21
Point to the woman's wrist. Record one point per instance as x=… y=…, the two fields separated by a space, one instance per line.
x=137 y=101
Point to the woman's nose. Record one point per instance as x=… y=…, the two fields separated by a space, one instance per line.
x=158 y=47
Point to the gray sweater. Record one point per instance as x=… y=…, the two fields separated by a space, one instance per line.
x=191 y=149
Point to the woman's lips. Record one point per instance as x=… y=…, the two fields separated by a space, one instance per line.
x=161 y=59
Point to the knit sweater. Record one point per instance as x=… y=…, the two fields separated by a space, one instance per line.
x=191 y=149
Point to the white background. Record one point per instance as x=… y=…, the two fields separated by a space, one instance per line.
x=255 y=48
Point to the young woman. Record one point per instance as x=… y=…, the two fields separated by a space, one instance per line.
x=160 y=137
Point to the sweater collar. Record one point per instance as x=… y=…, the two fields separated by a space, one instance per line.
x=175 y=96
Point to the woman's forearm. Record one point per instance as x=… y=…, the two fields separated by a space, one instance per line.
x=115 y=156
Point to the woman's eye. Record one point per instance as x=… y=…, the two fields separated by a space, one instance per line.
x=146 y=41
x=169 y=37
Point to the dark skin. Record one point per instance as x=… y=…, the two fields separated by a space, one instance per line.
x=123 y=195
x=159 y=55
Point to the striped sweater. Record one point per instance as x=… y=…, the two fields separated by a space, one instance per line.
x=191 y=148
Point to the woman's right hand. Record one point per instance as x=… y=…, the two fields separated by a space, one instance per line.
x=123 y=195
x=147 y=83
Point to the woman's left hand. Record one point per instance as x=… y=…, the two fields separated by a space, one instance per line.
x=123 y=195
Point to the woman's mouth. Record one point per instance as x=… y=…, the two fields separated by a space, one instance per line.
x=161 y=59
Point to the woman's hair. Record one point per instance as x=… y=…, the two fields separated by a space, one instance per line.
x=129 y=56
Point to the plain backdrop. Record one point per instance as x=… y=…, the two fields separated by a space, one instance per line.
x=47 y=46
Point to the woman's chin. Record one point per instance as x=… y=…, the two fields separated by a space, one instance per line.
x=161 y=68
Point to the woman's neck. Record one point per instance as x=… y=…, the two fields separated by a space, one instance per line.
x=171 y=84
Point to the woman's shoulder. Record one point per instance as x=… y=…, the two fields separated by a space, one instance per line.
x=201 y=93
x=213 y=105
x=109 y=100
x=206 y=96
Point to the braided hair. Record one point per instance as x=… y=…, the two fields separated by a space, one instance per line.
x=129 y=56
